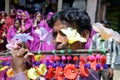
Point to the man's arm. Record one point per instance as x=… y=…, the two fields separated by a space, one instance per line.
x=18 y=63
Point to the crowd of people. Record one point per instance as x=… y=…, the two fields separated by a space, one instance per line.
x=20 y=22
x=50 y=33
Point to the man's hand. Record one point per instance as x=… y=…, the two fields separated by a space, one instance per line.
x=18 y=60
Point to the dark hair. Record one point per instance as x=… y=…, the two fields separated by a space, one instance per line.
x=74 y=18
x=13 y=10
x=55 y=17
x=37 y=12
x=18 y=20
x=2 y=13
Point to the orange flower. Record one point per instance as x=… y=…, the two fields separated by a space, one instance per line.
x=83 y=71
x=10 y=72
x=59 y=73
x=50 y=73
x=70 y=71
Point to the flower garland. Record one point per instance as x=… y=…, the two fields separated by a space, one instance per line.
x=68 y=67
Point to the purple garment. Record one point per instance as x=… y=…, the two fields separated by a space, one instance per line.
x=44 y=24
x=11 y=32
x=47 y=27
x=9 y=79
x=45 y=39
x=88 y=43
x=41 y=24
x=28 y=24
x=18 y=14
x=47 y=47
x=28 y=21
x=93 y=76
x=50 y=14
x=20 y=76
x=34 y=45
x=3 y=75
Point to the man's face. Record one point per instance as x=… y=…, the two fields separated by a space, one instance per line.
x=60 y=39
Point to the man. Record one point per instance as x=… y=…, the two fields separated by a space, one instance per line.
x=70 y=18
x=110 y=44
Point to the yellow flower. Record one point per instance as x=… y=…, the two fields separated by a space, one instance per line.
x=37 y=57
x=73 y=35
x=10 y=72
x=42 y=69
x=32 y=74
x=3 y=68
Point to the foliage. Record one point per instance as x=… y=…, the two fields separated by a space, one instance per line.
x=113 y=15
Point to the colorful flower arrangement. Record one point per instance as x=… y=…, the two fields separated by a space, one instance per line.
x=57 y=67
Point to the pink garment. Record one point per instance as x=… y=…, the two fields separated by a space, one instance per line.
x=44 y=40
x=18 y=15
x=11 y=32
x=33 y=45
x=50 y=14
x=44 y=24
x=28 y=22
x=9 y=22
x=88 y=43
x=47 y=47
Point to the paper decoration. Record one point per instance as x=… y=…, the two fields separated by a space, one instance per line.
x=23 y=37
x=105 y=33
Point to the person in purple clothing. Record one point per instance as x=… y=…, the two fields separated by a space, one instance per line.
x=27 y=27
x=45 y=37
x=26 y=22
x=18 y=13
x=16 y=28
x=47 y=21
x=37 y=19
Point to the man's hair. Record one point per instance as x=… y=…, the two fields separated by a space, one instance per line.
x=73 y=18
